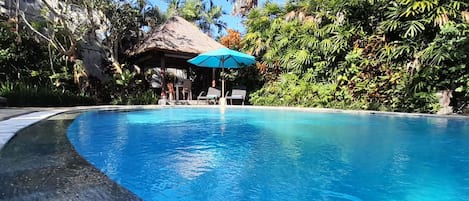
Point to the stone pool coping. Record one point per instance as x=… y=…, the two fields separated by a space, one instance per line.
x=13 y=124
x=9 y=127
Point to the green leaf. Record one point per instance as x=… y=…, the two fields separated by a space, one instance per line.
x=35 y=73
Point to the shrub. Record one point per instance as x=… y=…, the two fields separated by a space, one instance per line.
x=290 y=90
x=20 y=95
x=148 y=97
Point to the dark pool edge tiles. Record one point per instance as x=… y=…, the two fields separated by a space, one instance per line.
x=39 y=163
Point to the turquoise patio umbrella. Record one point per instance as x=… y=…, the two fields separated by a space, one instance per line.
x=223 y=58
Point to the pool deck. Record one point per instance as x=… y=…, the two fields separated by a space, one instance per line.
x=14 y=119
x=39 y=163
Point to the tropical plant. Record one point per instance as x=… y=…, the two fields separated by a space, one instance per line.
x=205 y=14
x=142 y=98
x=22 y=57
x=232 y=39
x=21 y=94
x=49 y=49
x=290 y=90
x=387 y=55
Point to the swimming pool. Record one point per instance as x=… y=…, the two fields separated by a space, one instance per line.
x=39 y=163
x=250 y=154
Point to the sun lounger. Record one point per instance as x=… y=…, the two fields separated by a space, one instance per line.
x=212 y=94
x=236 y=94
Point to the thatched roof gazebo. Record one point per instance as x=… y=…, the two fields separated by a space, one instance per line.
x=171 y=45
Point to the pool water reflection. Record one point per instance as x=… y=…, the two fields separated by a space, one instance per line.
x=249 y=154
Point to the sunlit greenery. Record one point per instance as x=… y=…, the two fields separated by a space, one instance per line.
x=45 y=54
x=203 y=13
x=364 y=54
x=360 y=54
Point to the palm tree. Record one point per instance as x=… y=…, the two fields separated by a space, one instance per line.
x=205 y=14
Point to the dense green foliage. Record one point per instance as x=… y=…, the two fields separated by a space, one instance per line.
x=19 y=94
x=44 y=56
x=15 y=48
x=204 y=13
x=128 y=89
x=363 y=54
x=26 y=75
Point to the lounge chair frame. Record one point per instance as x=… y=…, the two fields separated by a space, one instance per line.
x=236 y=94
x=212 y=94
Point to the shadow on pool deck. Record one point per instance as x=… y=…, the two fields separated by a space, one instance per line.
x=39 y=163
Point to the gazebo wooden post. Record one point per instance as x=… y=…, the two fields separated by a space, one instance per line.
x=163 y=77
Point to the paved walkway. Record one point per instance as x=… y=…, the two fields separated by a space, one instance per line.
x=6 y=113
x=41 y=164
x=16 y=119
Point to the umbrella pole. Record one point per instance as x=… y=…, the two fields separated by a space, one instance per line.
x=223 y=77
x=222 y=99
x=223 y=83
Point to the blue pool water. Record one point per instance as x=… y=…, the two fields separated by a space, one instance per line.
x=241 y=154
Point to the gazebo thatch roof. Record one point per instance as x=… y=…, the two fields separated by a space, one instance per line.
x=176 y=36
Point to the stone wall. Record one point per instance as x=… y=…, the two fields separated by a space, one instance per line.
x=91 y=51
